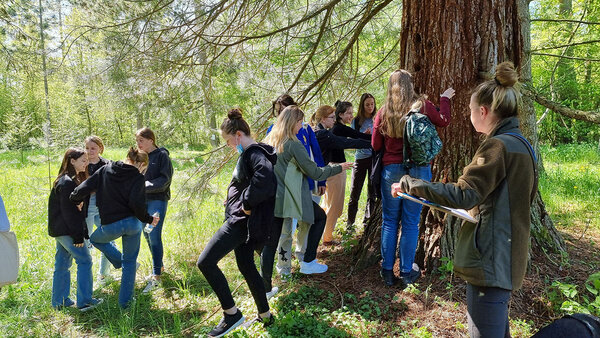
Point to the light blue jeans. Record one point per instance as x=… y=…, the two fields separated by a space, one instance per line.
x=154 y=238
x=93 y=217
x=397 y=211
x=129 y=230
x=61 y=281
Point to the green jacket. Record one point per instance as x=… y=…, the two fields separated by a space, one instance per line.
x=293 y=198
x=500 y=181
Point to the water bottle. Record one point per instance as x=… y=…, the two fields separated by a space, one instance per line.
x=149 y=227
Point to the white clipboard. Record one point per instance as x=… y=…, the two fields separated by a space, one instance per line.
x=460 y=213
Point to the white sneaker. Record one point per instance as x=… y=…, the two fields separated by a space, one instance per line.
x=312 y=267
x=272 y=293
x=152 y=284
x=104 y=280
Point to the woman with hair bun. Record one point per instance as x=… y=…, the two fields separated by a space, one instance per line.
x=498 y=187
x=248 y=220
x=121 y=200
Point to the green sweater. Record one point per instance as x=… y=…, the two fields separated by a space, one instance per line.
x=293 y=193
x=499 y=181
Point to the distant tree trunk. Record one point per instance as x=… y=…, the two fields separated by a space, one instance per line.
x=458 y=44
x=48 y=129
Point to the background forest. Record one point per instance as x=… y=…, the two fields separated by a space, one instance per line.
x=74 y=68
x=71 y=68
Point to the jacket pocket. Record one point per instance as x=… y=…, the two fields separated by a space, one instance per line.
x=467 y=254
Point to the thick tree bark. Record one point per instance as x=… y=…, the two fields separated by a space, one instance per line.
x=458 y=44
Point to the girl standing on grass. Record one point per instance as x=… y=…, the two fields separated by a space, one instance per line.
x=498 y=187
x=66 y=223
x=293 y=194
x=121 y=200
x=94 y=148
x=248 y=219
x=158 y=192
x=363 y=161
x=333 y=201
x=307 y=137
x=388 y=129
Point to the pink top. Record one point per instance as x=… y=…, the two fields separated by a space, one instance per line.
x=393 y=145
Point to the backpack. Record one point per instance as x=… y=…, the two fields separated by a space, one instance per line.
x=422 y=139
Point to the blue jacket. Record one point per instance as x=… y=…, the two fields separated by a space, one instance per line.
x=308 y=139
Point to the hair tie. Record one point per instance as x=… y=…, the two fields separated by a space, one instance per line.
x=497 y=82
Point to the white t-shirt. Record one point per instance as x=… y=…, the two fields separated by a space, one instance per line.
x=4 y=224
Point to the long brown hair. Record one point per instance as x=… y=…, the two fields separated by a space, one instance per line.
x=97 y=140
x=361 y=115
x=147 y=133
x=285 y=100
x=400 y=98
x=66 y=168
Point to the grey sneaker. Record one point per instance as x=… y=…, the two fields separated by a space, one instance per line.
x=152 y=284
x=92 y=304
x=272 y=293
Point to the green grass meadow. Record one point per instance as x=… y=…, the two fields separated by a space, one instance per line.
x=186 y=305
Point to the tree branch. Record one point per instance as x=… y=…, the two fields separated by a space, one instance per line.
x=567 y=57
x=588 y=116
x=566 y=45
x=566 y=21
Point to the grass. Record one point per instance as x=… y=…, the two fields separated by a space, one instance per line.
x=186 y=304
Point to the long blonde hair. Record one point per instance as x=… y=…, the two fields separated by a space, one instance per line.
x=283 y=129
x=400 y=99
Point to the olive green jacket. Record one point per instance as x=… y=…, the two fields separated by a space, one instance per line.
x=293 y=193
x=500 y=182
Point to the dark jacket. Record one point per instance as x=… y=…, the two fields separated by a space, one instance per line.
x=342 y=130
x=92 y=168
x=64 y=218
x=120 y=193
x=331 y=143
x=158 y=175
x=498 y=185
x=253 y=188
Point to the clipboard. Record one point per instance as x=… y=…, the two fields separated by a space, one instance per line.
x=460 y=213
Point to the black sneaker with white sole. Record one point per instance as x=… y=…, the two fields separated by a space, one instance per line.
x=227 y=324
x=92 y=304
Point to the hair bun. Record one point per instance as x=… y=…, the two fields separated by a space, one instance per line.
x=337 y=103
x=506 y=75
x=235 y=114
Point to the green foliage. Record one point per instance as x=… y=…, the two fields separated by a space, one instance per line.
x=569 y=185
x=566 y=297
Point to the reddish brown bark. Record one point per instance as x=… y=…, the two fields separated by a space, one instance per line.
x=457 y=44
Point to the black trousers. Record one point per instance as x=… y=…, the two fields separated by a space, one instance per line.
x=232 y=237
x=267 y=257
x=360 y=170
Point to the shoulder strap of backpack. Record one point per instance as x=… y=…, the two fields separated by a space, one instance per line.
x=533 y=158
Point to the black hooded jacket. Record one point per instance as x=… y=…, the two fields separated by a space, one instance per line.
x=64 y=218
x=253 y=188
x=158 y=175
x=120 y=193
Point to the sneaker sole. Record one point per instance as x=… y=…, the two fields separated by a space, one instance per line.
x=233 y=327
x=312 y=272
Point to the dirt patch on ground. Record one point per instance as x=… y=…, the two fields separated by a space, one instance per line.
x=439 y=303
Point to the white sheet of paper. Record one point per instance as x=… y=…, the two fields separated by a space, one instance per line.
x=460 y=213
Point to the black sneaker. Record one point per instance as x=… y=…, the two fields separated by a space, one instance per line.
x=388 y=277
x=227 y=324
x=411 y=276
x=91 y=305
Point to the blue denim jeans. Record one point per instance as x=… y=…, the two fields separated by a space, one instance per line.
x=154 y=238
x=487 y=311
x=93 y=217
x=397 y=211
x=129 y=230
x=61 y=281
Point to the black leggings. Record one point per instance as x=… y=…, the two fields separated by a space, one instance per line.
x=232 y=237
x=267 y=258
x=361 y=168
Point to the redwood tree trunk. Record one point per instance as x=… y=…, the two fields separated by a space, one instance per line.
x=458 y=44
